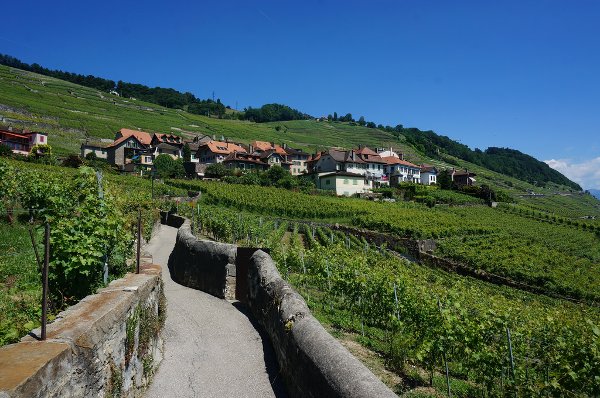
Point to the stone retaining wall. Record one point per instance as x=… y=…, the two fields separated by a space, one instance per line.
x=203 y=264
x=108 y=344
x=311 y=361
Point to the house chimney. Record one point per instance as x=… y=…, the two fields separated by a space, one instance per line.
x=272 y=145
x=214 y=137
x=359 y=146
x=250 y=148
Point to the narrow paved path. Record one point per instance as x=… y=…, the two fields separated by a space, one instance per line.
x=212 y=348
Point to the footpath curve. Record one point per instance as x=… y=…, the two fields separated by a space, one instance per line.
x=212 y=348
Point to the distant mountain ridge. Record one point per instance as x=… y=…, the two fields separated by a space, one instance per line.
x=595 y=193
x=502 y=160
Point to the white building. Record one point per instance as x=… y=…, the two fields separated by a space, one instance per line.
x=399 y=170
x=428 y=175
x=362 y=161
x=343 y=183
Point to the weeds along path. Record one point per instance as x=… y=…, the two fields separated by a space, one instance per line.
x=212 y=348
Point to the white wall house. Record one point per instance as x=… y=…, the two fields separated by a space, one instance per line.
x=399 y=170
x=428 y=175
x=343 y=183
x=362 y=161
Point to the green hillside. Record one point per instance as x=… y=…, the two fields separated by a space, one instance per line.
x=71 y=113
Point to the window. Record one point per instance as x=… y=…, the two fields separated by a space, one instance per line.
x=327 y=182
x=346 y=181
x=354 y=182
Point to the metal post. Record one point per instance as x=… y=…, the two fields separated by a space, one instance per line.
x=396 y=300
x=510 y=353
x=444 y=357
x=45 y=280
x=139 y=240
x=35 y=250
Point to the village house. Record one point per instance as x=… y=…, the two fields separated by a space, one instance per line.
x=194 y=145
x=290 y=159
x=462 y=178
x=130 y=147
x=298 y=158
x=245 y=161
x=399 y=170
x=428 y=175
x=273 y=157
x=98 y=148
x=362 y=161
x=217 y=151
x=21 y=142
x=343 y=183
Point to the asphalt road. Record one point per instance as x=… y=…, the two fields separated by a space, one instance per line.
x=212 y=348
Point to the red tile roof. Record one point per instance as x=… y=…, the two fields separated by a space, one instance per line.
x=365 y=151
x=395 y=160
x=143 y=137
x=224 y=148
x=266 y=146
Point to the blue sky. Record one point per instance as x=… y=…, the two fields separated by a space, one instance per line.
x=520 y=74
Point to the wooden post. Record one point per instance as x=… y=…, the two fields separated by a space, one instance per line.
x=139 y=240
x=45 y=280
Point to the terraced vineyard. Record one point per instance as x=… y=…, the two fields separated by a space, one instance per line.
x=561 y=258
x=419 y=316
x=69 y=111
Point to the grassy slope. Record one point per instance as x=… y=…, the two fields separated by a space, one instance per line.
x=69 y=113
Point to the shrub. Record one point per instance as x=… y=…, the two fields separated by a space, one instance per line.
x=5 y=150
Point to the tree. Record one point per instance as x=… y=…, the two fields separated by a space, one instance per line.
x=40 y=150
x=361 y=121
x=444 y=180
x=276 y=173
x=167 y=167
x=73 y=161
x=217 y=170
x=335 y=116
x=329 y=117
x=187 y=153
x=42 y=153
x=371 y=125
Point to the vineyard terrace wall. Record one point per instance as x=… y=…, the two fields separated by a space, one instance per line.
x=107 y=344
x=311 y=361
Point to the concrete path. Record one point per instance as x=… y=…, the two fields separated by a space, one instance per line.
x=212 y=348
